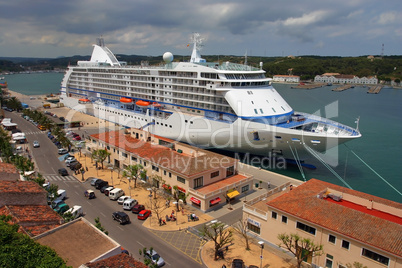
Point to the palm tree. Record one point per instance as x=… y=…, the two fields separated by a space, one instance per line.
x=134 y=172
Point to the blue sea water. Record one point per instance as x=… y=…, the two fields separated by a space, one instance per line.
x=369 y=164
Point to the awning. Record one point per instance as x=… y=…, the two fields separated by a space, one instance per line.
x=215 y=201
x=233 y=194
x=195 y=200
x=181 y=189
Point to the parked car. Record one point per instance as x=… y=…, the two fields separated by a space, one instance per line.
x=144 y=214
x=63 y=172
x=70 y=160
x=154 y=257
x=121 y=217
x=62 y=151
x=36 y=144
x=93 y=181
x=61 y=195
x=76 y=211
x=238 y=263
x=129 y=204
x=89 y=194
x=62 y=208
x=62 y=119
x=56 y=203
x=115 y=193
x=75 y=165
x=100 y=183
x=137 y=208
x=107 y=189
x=121 y=199
x=77 y=138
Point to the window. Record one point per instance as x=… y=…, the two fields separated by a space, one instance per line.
x=331 y=239
x=345 y=244
x=255 y=111
x=214 y=174
x=305 y=228
x=180 y=179
x=253 y=228
x=134 y=158
x=198 y=182
x=229 y=171
x=274 y=215
x=155 y=168
x=164 y=172
x=170 y=175
x=284 y=219
x=245 y=188
x=124 y=154
x=375 y=256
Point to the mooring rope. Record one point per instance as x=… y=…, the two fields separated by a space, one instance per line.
x=375 y=172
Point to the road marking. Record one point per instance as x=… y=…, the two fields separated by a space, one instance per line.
x=141 y=244
x=120 y=228
x=103 y=214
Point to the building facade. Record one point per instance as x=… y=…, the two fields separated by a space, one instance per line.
x=345 y=79
x=352 y=226
x=206 y=179
x=286 y=78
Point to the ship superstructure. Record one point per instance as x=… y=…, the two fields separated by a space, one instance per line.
x=207 y=104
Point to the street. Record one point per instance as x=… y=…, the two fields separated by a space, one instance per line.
x=132 y=237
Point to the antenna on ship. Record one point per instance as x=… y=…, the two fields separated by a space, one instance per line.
x=245 y=58
x=357 y=123
x=100 y=42
x=197 y=41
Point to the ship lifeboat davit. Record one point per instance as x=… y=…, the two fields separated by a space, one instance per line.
x=142 y=103
x=126 y=100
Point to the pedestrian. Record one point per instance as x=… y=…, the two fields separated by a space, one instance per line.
x=223 y=266
x=269 y=185
x=291 y=187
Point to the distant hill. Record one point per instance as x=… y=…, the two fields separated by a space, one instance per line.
x=305 y=66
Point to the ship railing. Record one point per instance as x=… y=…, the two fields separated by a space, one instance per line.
x=351 y=131
x=228 y=66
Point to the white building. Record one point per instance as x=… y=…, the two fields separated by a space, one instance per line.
x=286 y=78
x=345 y=79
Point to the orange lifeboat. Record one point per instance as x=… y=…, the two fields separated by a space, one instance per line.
x=142 y=103
x=126 y=100
x=83 y=101
x=156 y=105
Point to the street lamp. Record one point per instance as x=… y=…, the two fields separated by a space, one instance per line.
x=111 y=173
x=262 y=247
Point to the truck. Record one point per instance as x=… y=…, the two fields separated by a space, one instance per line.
x=76 y=211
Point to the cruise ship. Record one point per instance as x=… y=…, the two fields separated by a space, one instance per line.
x=207 y=104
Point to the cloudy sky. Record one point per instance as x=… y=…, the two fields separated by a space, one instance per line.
x=53 y=28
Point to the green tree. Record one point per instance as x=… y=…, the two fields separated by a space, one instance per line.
x=301 y=248
x=19 y=250
x=178 y=195
x=134 y=172
x=222 y=237
x=100 y=156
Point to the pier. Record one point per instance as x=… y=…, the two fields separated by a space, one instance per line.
x=309 y=86
x=374 y=89
x=342 y=88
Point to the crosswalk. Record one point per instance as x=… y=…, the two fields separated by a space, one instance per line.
x=216 y=221
x=34 y=132
x=59 y=178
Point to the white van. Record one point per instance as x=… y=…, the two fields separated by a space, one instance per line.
x=129 y=204
x=115 y=193
x=76 y=211
x=61 y=195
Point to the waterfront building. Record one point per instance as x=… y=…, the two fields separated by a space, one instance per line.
x=286 y=78
x=351 y=225
x=337 y=78
x=206 y=179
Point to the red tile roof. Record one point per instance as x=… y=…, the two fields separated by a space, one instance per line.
x=35 y=219
x=165 y=157
x=8 y=168
x=20 y=187
x=303 y=203
x=118 y=261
